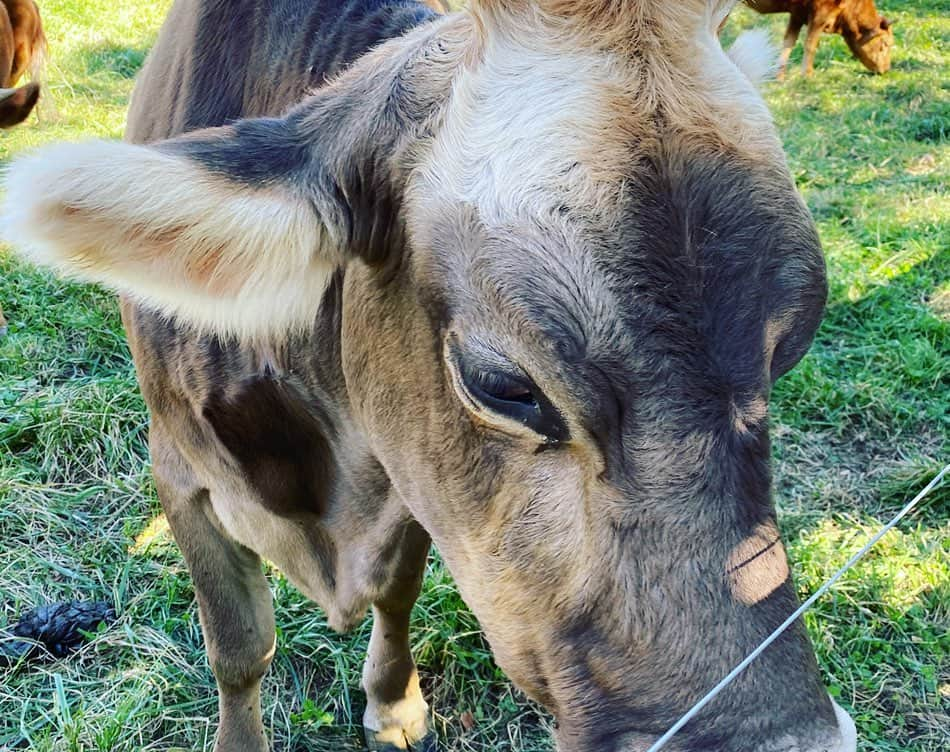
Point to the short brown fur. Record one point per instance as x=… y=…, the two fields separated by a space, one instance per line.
x=28 y=42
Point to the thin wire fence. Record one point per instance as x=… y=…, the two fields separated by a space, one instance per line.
x=730 y=677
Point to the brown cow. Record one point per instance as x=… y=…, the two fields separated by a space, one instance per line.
x=22 y=48
x=518 y=281
x=29 y=42
x=869 y=35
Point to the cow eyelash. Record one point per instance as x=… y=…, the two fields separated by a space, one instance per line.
x=507 y=395
x=501 y=387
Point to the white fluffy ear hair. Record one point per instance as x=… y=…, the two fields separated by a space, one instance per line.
x=754 y=54
x=239 y=229
x=222 y=254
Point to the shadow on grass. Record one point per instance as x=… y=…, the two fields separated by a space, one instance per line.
x=872 y=388
x=876 y=380
x=101 y=75
x=108 y=58
x=884 y=302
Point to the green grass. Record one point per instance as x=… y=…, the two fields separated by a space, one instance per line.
x=860 y=425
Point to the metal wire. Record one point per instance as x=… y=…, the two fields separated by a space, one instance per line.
x=662 y=741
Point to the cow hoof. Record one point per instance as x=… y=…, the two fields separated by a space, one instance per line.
x=429 y=743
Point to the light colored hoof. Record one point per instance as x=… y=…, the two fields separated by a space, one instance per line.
x=376 y=742
x=400 y=725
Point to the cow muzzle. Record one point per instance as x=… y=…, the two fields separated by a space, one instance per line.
x=841 y=738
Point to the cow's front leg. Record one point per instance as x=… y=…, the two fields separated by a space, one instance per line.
x=397 y=716
x=795 y=23
x=812 y=38
x=234 y=602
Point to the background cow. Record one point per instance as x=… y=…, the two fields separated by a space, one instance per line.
x=22 y=48
x=519 y=282
x=868 y=34
x=27 y=50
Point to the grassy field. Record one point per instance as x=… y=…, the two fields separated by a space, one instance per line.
x=860 y=425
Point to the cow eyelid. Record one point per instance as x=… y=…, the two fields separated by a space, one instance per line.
x=501 y=386
x=506 y=394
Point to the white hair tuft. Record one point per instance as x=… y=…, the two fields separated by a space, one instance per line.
x=755 y=55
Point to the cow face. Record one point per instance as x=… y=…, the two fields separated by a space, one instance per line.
x=599 y=309
x=574 y=265
x=873 y=45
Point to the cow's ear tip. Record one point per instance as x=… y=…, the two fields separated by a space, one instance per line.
x=43 y=182
x=755 y=55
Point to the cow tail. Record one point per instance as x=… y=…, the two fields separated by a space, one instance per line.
x=38 y=60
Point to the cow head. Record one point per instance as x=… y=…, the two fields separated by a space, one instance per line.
x=872 y=44
x=575 y=263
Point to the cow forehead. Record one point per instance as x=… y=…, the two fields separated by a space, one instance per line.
x=539 y=122
x=539 y=158
x=525 y=132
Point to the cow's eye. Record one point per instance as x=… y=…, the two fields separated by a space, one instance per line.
x=501 y=397
x=501 y=391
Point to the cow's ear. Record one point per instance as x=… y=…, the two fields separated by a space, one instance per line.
x=754 y=55
x=237 y=230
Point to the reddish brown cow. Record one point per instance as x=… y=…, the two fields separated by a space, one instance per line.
x=867 y=32
x=29 y=41
x=22 y=47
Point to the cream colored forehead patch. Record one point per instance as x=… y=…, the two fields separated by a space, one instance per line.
x=531 y=128
x=757 y=566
